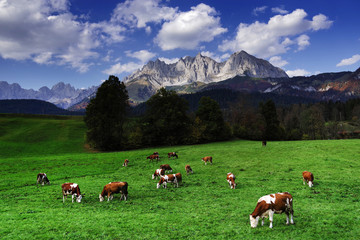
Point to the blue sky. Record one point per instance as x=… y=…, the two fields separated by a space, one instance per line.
x=82 y=42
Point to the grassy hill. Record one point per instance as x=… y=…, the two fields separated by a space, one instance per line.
x=203 y=207
x=27 y=135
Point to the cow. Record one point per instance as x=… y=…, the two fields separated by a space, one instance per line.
x=231 y=180
x=152 y=157
x=167 y=178
x=207 y=159
x=158 y=173
x=166 y=167
x=270 y=204
x=264 y=143
x=178 y=177
x=126 y=162
x=112 y=188
x=188 y=169
x=42 y=179
x=308 y=177
x=172 y=154
x=73 y=190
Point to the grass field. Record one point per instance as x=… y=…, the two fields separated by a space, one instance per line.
x=203 y=207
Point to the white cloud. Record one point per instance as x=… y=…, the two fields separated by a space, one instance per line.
x=349 y=61
x=215 y=56
x=275 y=37
x=122 y=68
x=143 y=55
x=258 y=10
x=137 y=13
x=303 y=42
x=279 y=10
x=46 y=32
x=277 y=61
x=188 y=29
x=297 y=72
x=169 y=60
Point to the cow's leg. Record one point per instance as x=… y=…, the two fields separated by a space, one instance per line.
x=72 y=197
x=304 y=181
x=287 y=218
x=262 y=221
x=63 y=198
x=271 y=216
x=292 y=217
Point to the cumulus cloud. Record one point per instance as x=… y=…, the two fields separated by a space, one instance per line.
x=349 y=61
x=46 y=32
x=169 y=60
x=279 y=10
x=137 y=13
x=277 y=35
x=142 y=55
x=188 y=29
x=277 y=61
x=258 y=10
x=122 y=68
x=297 y=72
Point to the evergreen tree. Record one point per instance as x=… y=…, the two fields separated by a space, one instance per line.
x=106 y=114
x=165 y=121
x=211 y=120
x=272 y=126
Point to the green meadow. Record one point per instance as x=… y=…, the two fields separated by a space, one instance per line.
x=203 y=207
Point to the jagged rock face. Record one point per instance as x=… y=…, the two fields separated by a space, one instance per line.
x=199 y=69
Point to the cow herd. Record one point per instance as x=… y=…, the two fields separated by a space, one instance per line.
x=266 y=205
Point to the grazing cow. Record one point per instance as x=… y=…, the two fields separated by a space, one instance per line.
x=308 y=177
x=264 y=143
x=112 y=188
x=188 y=169
x=158 y=173
x=172 y=154
x=178 y=177
x=231 y=180
x=166 y=167
x=152 y=157
x=126 y=162
x=207 y=159
x=42 y=179
x=167 y=178
x=73 y=190
x=270 y=204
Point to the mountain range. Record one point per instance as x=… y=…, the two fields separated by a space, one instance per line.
x=62 y=95
x=241 y=72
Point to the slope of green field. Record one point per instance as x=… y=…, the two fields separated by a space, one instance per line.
x=31 y=135
x=203 y=207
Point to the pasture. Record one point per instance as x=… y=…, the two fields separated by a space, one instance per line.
x=203 y=207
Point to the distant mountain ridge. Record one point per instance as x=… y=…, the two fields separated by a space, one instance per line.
x=145 y=82
x=62 y=95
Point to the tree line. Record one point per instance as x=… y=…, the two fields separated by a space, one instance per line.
x=167 y=120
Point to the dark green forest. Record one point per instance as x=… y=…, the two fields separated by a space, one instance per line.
x=215 y=115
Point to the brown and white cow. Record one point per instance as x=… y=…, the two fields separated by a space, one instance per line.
x=158 y=173
x=188 y=169
x=207 y=159
x=112 y=188
x=231 y=180
x=166 y=167
x=178 y=177
x=152 y=157
x=270 y=204
x=308 y=177
x=42 y=179
x=126 y=162
x=172 y=154
x=73 y=190
x=168 y=178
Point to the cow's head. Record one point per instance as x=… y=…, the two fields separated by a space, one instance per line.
x=161 y=182
x=78 y=198
x=311 y=184
x=254 y=221
x=101 y=198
